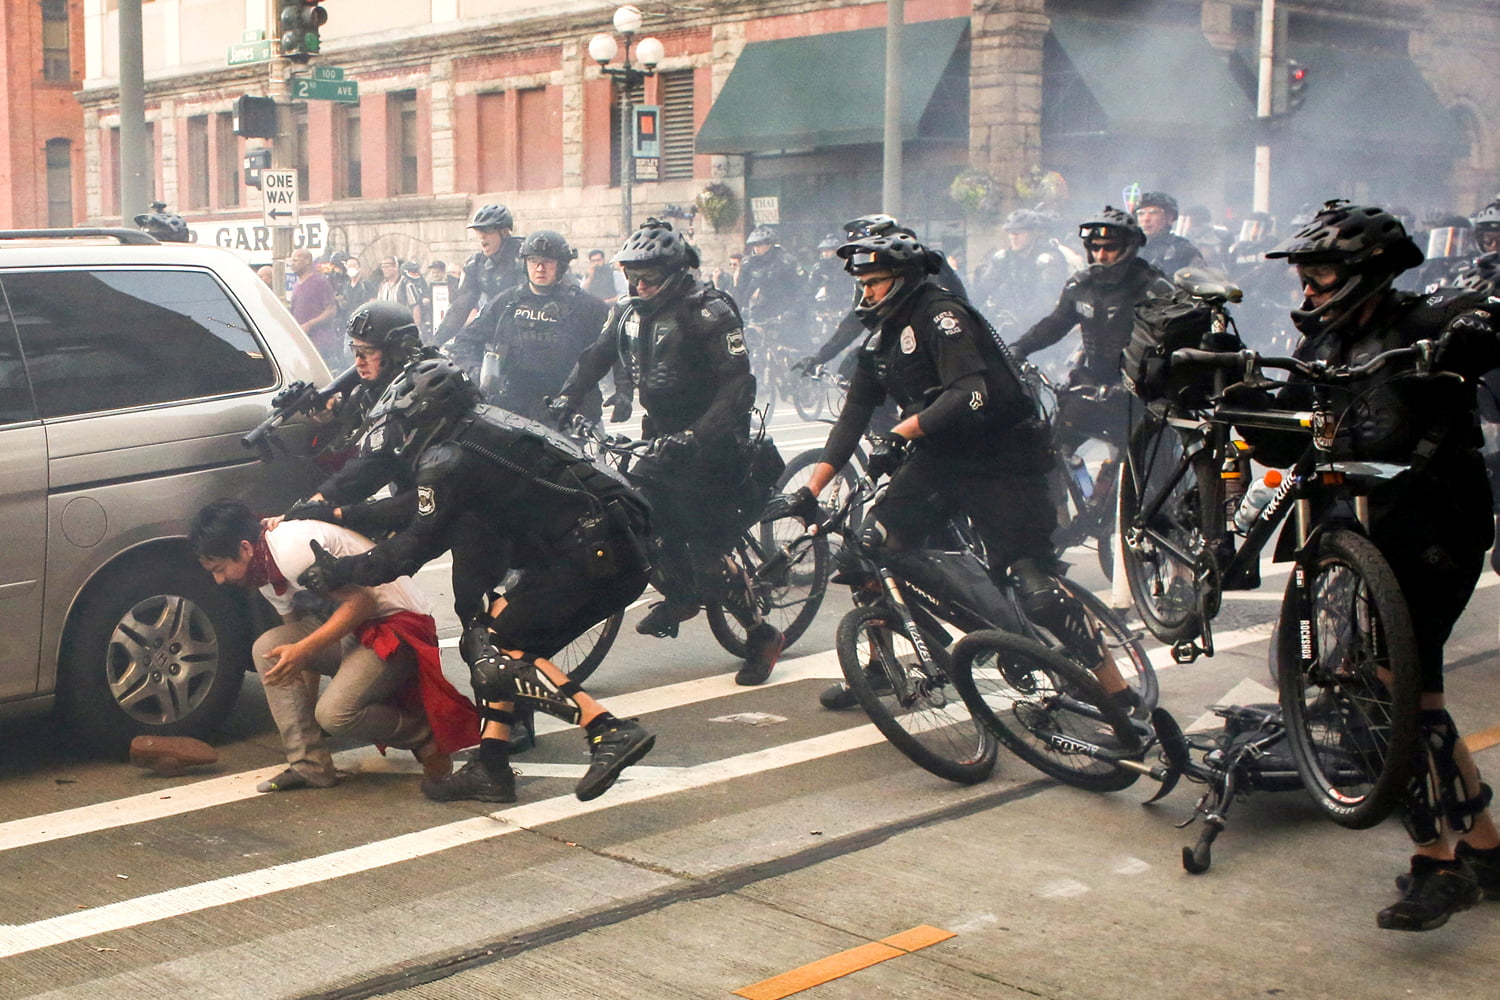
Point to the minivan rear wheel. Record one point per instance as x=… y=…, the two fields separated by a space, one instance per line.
x=157 y=649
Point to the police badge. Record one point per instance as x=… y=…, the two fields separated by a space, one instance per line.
x=426 y=501
x=908 y=341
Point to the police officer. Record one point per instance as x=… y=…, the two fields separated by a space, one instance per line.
x=494 y=269
x=685 y=345
x=1433 y=522
x=501 y=492
x=969 y=439
x=1018 y=279
x=1164 y=250
x=536 y=330
x=770 y=283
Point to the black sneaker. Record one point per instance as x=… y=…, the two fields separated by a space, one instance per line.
x=1485 y=864
x=473 y=781
x=1434 y=891
x=764 y=644
x=838 y=697
x=663 y=618
x=612 y=751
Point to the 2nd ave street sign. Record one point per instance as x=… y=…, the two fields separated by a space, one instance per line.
x=305 y=89
x=278 y=190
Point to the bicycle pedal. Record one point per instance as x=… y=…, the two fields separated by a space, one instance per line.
x=1185 y=652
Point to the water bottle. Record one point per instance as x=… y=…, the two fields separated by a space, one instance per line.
x=1081 y=476
x=1256 y=499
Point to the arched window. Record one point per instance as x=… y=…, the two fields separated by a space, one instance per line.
x=59 y=183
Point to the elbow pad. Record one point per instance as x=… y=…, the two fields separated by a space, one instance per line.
x=959 y=405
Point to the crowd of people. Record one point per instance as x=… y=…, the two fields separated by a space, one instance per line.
x=459 y=450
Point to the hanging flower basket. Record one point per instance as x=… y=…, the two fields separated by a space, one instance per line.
x=977 y=193
x=719 y=205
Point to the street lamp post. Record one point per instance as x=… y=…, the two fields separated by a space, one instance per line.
x=603 y=49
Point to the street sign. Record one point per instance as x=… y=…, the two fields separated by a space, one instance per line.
x=249 y=52
x=279 y=198
x=767 y=211
x=252 y=34
x=304 y=89
x=327 y=73
x=646 y=134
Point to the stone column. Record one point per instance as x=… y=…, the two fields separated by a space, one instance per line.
x=444 y=150
x=1005 y=99
x=573 y=58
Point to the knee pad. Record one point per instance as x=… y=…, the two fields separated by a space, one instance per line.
x=874 y=536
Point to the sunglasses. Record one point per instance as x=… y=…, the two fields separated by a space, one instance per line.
x=1321 y=278
x=649 y=276
x=363 y=353
x=1109 y=247
x=873 y=280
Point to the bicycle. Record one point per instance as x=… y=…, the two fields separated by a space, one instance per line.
x=785 y=588
x=772 y=363
x=892 y=646
x=1347 y=672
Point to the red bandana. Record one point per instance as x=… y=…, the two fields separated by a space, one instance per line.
x=263 y=569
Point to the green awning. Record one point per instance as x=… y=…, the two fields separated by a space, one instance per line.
x=1370 y=98
x=827 y=90
x=1153 y=79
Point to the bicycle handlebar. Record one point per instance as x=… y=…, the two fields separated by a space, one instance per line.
x=1315 y=371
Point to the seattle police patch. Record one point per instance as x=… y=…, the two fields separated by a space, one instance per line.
x=734 y=342
x=426 y=501
x=908 y=341
x=948 y=323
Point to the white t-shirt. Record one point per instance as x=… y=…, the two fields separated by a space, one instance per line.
x=288 y=542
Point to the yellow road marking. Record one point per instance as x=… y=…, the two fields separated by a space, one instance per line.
x=834 y=966
x=1482 y=740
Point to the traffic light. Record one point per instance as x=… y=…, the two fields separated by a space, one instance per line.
x=1296 y=84
x=300 y=21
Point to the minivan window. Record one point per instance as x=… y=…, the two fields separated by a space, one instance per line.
x=106 y=340
x=15 y=394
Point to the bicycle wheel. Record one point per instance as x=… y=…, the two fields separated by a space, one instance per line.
x=581 y=657
x=1349 y=680
x=917 y=709
x=796 y=475
x=1164 y=505
x=1043 y=706
x=807 y=395
x=788 y=591
x=1122 y=642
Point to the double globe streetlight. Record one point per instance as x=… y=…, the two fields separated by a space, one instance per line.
x=603 y=49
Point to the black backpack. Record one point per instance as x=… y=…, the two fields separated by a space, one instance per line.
x=1163 y=324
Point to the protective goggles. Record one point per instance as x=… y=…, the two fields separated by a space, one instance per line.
x=1321 y=278
x=362 y=351
x=1105 y=246
x=652 y=277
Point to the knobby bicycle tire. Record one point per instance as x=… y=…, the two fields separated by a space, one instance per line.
x=1041 y=705
x=1161 y=553
x=922 y=715
x=1351 y=717
x=581 y=657
x=789 y=599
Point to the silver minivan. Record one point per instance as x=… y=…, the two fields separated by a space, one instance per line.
x=129 y=372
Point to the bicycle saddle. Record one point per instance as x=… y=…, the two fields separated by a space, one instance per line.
x=1207 y=284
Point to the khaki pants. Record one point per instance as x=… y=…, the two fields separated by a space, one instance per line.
x=359 y=701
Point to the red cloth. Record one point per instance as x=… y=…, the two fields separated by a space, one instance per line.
x=262 y=569
x=452 y=716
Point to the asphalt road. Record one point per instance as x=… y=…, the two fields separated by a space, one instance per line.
x=763 y=835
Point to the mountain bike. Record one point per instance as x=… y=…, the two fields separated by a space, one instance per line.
x=772 y=361
x=784 y=588
x=892 y=646
x=1347 y=669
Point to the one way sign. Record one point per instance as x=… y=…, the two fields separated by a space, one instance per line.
x=279 y=196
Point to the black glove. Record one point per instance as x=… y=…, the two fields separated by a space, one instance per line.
x=807 y=365
x=674 y=449
x=887 y=456
x=802 y=505
x=326 y=574
x=622 y=408
x=561 y=408
x=285 y=397
x=1468 y=346
x=312 y=510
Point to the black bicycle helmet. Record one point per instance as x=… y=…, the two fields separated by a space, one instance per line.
x=1487 y=218
x=493 y=217
x=1026 y=220
x=1367 y=243
x=388 y=326
x=167 y=227
x=657 y=243
x=550 y=245
x=830 y=242
x=760 y=235
x=419 y=404
x=1161 y=200
x=1113 y=224
x=895 y=252
x=874 y=225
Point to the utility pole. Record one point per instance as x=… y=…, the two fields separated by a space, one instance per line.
x=890 y=185
x=1265 y=86
x=134 y=186
x=284 y=145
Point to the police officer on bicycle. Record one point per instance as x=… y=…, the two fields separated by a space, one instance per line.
x=1432 y=522
x=684 y=343
x=536 y=330
x=969 y=440
x=494 y=269
x=501 y=492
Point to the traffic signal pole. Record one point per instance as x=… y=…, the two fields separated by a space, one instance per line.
x=1263 y=104
x=134 y=187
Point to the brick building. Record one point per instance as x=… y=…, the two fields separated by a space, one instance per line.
x=41 y=127
x=467 y=102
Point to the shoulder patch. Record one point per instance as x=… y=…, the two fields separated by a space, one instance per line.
x=734 y=341
x=948 y=323
x=426 y=501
